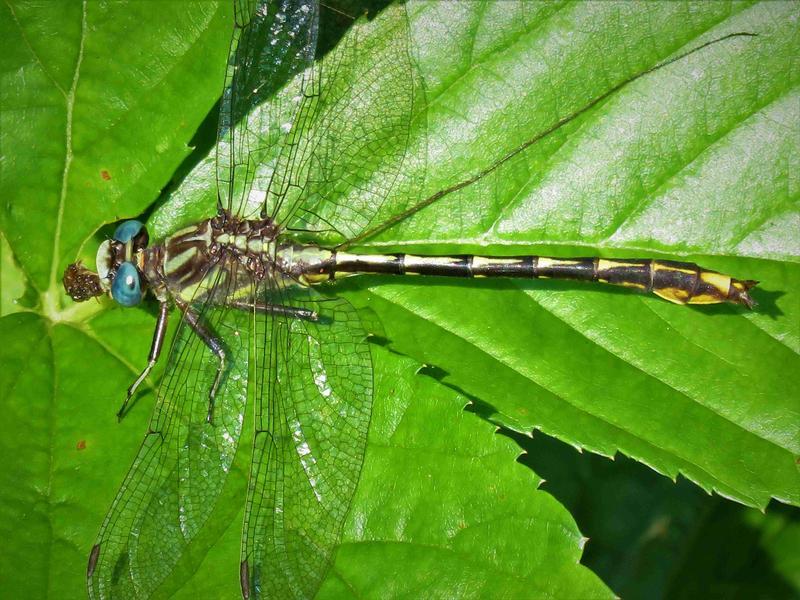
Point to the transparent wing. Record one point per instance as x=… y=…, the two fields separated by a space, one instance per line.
x=325 y=152
x=178 y=473
x=354 y=153
x=313 y=407
x=273 y=41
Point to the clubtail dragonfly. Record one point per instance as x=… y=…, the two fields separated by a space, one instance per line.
x=245 y=282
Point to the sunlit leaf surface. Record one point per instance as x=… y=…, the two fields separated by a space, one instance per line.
x=698 y=160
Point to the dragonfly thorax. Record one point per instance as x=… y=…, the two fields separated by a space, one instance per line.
x=239 y=250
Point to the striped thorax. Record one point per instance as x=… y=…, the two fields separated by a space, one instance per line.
x=236 y=253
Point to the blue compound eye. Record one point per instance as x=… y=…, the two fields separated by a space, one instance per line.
x=127 y=231
x=126 y=288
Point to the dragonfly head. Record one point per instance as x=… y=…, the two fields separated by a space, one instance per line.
x=119 y=264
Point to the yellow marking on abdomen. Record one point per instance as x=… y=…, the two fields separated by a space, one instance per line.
x=413 y=263
x=659 y=266
x=342 y=258
x=546 y=262
x=675 y=295
x=604 y=264
x=719 y=282
x=366 y=259
x=480 y=263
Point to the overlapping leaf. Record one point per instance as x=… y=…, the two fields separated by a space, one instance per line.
x=695 y=160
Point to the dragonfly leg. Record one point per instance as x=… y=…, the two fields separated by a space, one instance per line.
x=214 y=344
x=277 y=309
x=155 y=352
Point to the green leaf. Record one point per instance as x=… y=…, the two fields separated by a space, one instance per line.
x=696 y=160
x=441 y=507
x=99 y=102
x=12 y=281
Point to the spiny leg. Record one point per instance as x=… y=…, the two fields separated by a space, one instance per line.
x=213 y=343
x=155 y=352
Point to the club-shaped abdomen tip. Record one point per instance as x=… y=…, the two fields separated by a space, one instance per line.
x=738 y=292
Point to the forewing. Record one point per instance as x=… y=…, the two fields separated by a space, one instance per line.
x=313 y=407
x=273 y=41
x=358 y=142
x=175 y=479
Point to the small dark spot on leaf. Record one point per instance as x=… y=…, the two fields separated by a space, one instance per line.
x=81 y=445
x=105 y=174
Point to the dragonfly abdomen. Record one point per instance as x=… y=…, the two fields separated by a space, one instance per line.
x=678 y=282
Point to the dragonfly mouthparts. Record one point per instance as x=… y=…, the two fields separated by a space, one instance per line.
x=81 y=283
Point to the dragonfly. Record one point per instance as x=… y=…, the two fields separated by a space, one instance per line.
x=258 y=323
